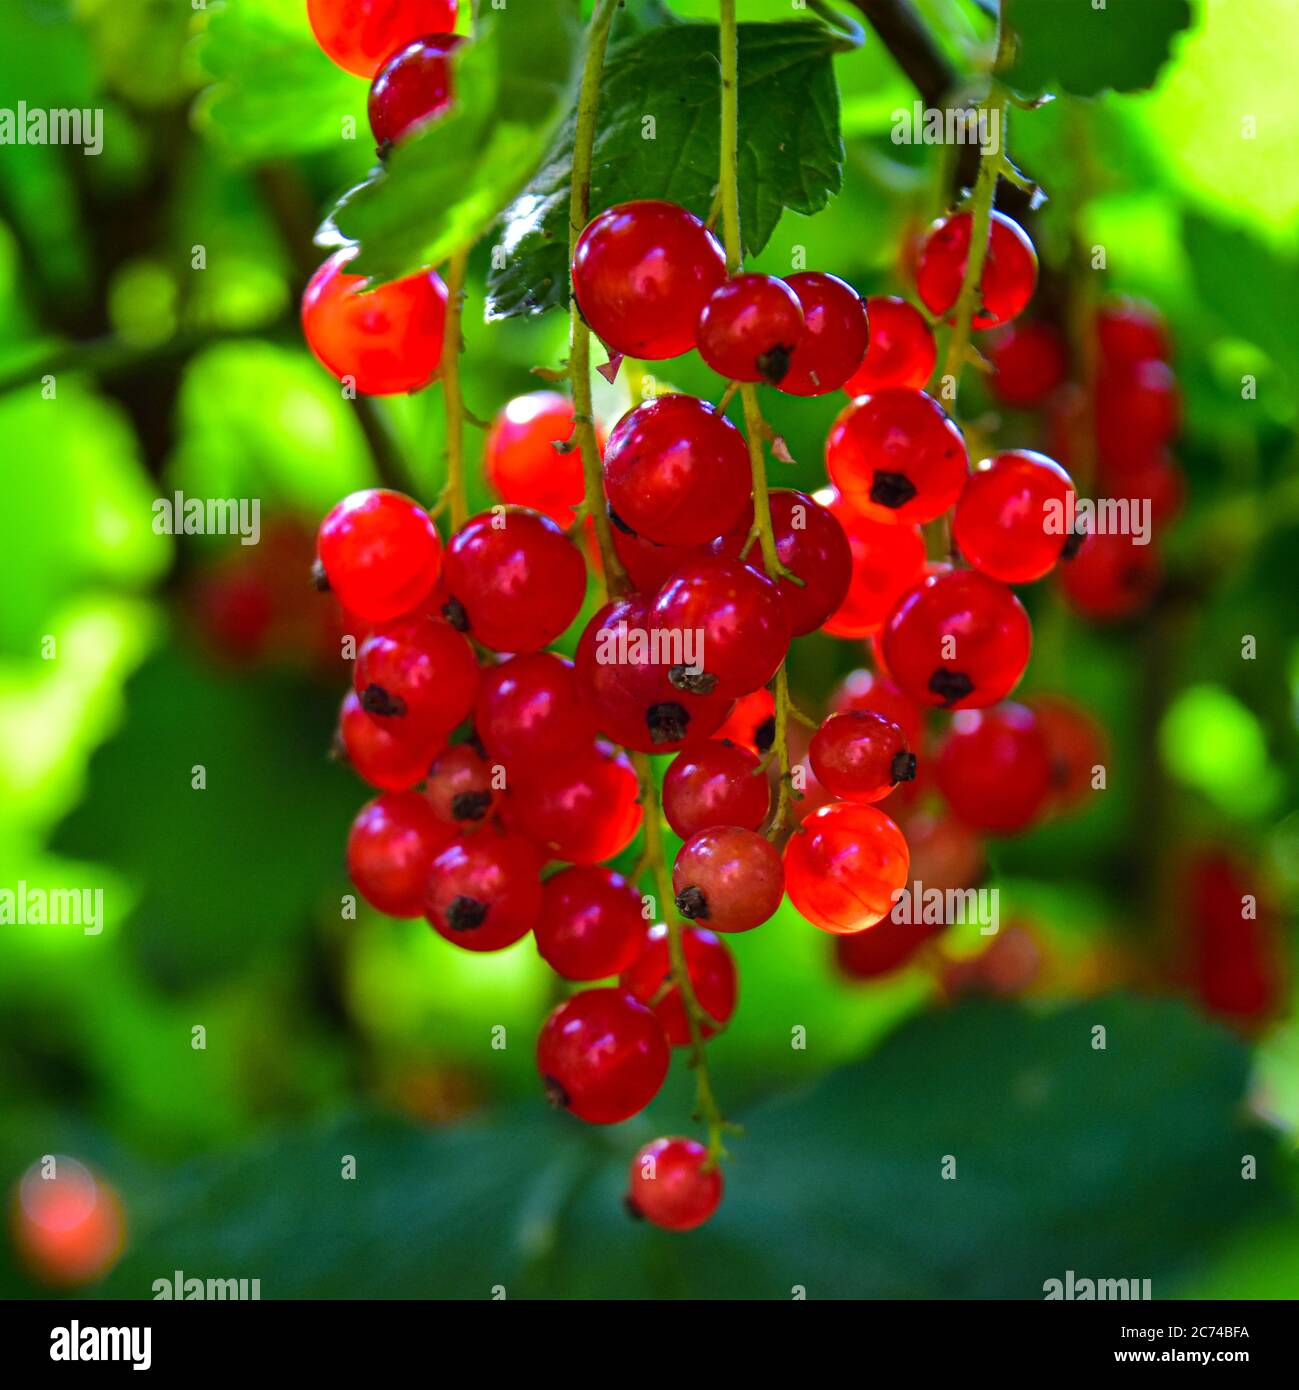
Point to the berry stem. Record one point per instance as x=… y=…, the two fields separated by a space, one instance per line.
x=579 y=337
x=780 y=746
x=453 y=344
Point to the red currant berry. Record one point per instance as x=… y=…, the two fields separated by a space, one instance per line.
x=887 y=560
x=958 y=640
x=590 y=926
x=1009 y=269
x=603 y=1056
x=514 y=580
x=360 y=34
x=1128 y=332
x=676 y=471
x=1014 y=516
x=380 y=553
x=1111 y=577
x=411 y=89
x=416 y=678
x=391 y=848
x=994 y=769
x=881 y=949
x=728 y=878
x=642 y=273
x=649 y=565
x=1077 y=746
x=463 y=787
x=945 y=853
x=387 y=342
x=584 y=809
x=752 y=722
x=1138 y=411
x=867 y=690
x=378 y=757
x=1234 y=961
x=712 y=977
x=835 y=334
x=844 y=865
x=530 y=710
x=749 y=327
x=741 y=617
x=1155 y=481
x=484 y=890
x=1029 y=360
x=902 y=351
x=895 y=456
x=673 y=1185
x=861 y=756
x=521 y=462
x=715 y=783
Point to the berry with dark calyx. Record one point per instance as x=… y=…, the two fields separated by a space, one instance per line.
x=602 y=1056
x=590 y=925
x=673 y=1185
x=642 y=273
x=835 y=334
x=385 y=342
x=359 y=35
x=530 y=709
x=958 y=640
x=522 y=463
x=483 y=890
x=752 y=722
x=391 y=848
x=584 y=809
x=1029 y=360
x=712 y=977
x=1009 y=269
x=844 y=865
x=1077 y=745
x=380 y=554
x=1128 y=332
x=411 y=89
x=417 y=678
x=1111 y=576
x=728 y=879
x=902 y=350
x=383 y=758
x=740 y=614
x=518 y=578
x=880 y=950
x=895 y=456
x=715 y=783
x=861 y=756
x=868 y=690
x=887 y=559
x=749 y=328
x=676 y=471
x=994 y=769
x=1014 y=515
x=462 y=786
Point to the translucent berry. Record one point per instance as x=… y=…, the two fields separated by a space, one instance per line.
x=522 y=464
x=994 y=769
x=380 y=553
x=749 y=328
x=673 y=1185
x=602 y=1055
x=843 y=866
x=868 y=690
x=417 y=678
x=881 y=949
x=590 y=925
x=902 y=351
x=859 y=755
x=583 y=809
x=712 y=977
x=676 y=471
x=1029 y=360
x=752 y=722
x=1111 y=577
x=360 y=35
x=383 y=759
x=530 y=709
x=484 y=890
x=835 y=334
x=1014 y=516
x=391 y=848
x=642 y=273
x=1077 y=745
x=887 y=559
x=896 y=457
x=386 y=342
x=412 y=88
x=1128 y=332
x=1009 y=269
x=728 y=878
x=463 y=787
x=649 y=565
x=715 y=783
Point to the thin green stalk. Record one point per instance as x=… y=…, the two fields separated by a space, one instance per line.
x=454 y=491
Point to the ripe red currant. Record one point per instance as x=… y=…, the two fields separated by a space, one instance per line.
x=673 y=1185
x=1155 y=480
x=514 y=580
x=676 y=471
x=1014 y=516
x=642 y=273
x=1111 y=577
x=843 y=866
x=1009 y=269
x=881 y=949
x=1128 y=332
x=584 y=809
x=590 y=925
x=1234 y=962
x=902 y=351
x=391 y=848
x=417 y=678
x=835 y=334
x=383 y=759
x=411 y=89
x=728 y=878
x=387 y=342
x=602 y=1055
x=1029 y=360
x=749 y=328
x=521 y=462
x=463 y=787
x=484 y=890
x=1138 y=410
x=380 y=553
x=752 y=722
x=360 y=34
x=958 y=639
x=712 y=977
x=530 y=709
x=714 y=783
x=649 y=565
x=896 y=456
x=859 y=755
x=887 y=559
x=994 y=769
x=1077 y=746
x=868 y=690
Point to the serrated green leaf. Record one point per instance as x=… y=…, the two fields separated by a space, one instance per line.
x=791 y=152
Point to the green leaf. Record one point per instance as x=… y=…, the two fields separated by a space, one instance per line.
x=442 y=189
x=791 y=152
x=1121 y=1162
x=1070 y=45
